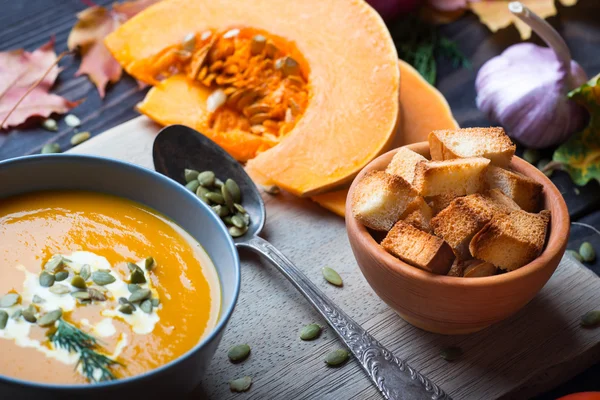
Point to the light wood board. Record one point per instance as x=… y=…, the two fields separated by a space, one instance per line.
x=531 y=352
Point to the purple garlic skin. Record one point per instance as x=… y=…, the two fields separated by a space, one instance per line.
x=525 y=90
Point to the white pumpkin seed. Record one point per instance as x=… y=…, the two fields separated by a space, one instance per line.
x=50 y=318
x=9 y=300
x=215 y=100
x=72 y=120
x=60 y=289
x=240 y=384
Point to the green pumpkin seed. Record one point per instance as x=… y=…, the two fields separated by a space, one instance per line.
x=60 y=289
x=29 y=314
x=46 y=279
x=155 y=302
x=50 y=148
x=81 y=295
x=96 y=295
x=587 y=252
x=146 y=306
x=9 y=300
x=216 y=198
x=3 y=319
x=591 y=319
x=227 y=220
x=149 y=263
x=451 y=353
x=61 y=276
x=234 y=231
x=337 y=357
x=332 y=276
x=238 y=353
x=140 y=295
x=137 y=276
x=85 y=272
x=220 y=210
x=126 y=309
x=575 y=255
x=50 y=318
x=201 y=193
x=310 y=332
x=190 y=175
x=17 y=314
x=246 y=218
x=192 y=186
x=218 y=183
x=50 y=124
x=37 y=299
x=79 y=138
x=227 y=197
x=531 y=156
x=54 y=264
x=240 y=384
x=234 y=189
x=238 y=221
x=239 y=208
x=102 y=278
x=123 y=300
x=132 y=287
x=206 y=178
x=78 y=282
x=132 y=267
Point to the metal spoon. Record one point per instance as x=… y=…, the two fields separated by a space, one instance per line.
x=178 y=147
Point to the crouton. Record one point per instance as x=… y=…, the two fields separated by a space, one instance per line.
x=526 y=192
x=379 y=199
x=403 y=164
x=457 y=268
x=440 y=202
x=502 y=200
x=418 y=214
x=418 y=248
x=510 y=241
x=456 y=177
x=491 y=143
x=478 y=269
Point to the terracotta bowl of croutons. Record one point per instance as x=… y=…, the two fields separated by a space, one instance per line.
x=456 y=264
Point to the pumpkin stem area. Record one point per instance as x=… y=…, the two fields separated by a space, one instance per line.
x=258 y=82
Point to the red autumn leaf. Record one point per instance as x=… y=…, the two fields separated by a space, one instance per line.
x=19 y=71
x=93 y=24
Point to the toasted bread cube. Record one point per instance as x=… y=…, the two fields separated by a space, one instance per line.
x=440 y=202
x=526 y=192
x=380 y=198
x=403 y=164
x=478 y=269
x=418 y=214
x=491 y=143
x=457 y=268
x=418 y=248
x=456 y=177
x=510 y=241
x=502 y=200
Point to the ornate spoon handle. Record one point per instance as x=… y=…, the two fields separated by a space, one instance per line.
x=394 y=378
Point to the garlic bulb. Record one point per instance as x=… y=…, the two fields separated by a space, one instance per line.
x=525 y=88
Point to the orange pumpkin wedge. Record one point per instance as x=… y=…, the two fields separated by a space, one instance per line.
x=423 y=109
x=341 y=50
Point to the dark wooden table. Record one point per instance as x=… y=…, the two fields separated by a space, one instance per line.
x=29 y=24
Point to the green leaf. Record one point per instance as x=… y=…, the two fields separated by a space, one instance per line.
x=580 y=155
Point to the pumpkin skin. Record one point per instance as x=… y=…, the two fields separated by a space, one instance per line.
x=352 y=111
x=423 y=109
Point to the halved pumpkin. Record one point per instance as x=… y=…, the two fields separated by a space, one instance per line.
x=346 y=58
x=423 y=109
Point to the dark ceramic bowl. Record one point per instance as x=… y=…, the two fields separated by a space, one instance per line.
x=55 y=172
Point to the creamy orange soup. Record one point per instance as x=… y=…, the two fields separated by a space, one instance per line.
x=92 y=235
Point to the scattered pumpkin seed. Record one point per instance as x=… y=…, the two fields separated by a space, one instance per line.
x=234 y=231
x=149 y=263
x=50 y=148
x=192 y=186
x=332 y=276
x=96 y=295
x=60 y=289
x=587 y=252
x=37 y=299
x=79 y=138
x=216 y=198
x=54 y=264
x=17 y=314
x=542 y=164
x=337 y=357
x=140 y=295
x=531 y=156
x=206 y=178
x=190 y=175
x=85 y=272
x=451 y=353
x=81 y=295
x=50 y=318
x=126 y=309
x=591 y=319
x=3 y=319
x=239 y=207
x=257 y=44
x=137 y=276
x=575 y=255
x=102 y=278
x=238 y=353
x=29 y=314
x=61 y=276
x=78 y=282
x=146 y=306
x=155 y=302
x=227 y=197
x=50 y=124
x=132 y=287
x=240 y=384
x=9 y=300
x=310 y=332
x=46 y=279
x=271 y=189
x=234 y=189
x=72 y=120
x=238 y=221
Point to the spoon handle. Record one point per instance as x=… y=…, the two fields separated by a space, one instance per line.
x=394 y=378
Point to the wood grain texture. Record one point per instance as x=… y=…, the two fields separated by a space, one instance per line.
x=534 y=350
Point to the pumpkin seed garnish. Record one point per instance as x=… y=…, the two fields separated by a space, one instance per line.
x=79 y=138
x=220 y=210
x=126 y=309
x=190 y=175
x=140 y=295
x=216 y=198
x=102 y=278
x=85 y=272
x=238 y=353
x=123 y=300
x=206 y=178
x=17 y=314
x=234 y=231
x=60 y=289
x=61 y=276
x=50 y=318
x=46 y=279
x=239 y=208
x=81 y=295
x=137 y=276
x=3 y=319
x=9 y=300
x=246 y=218
x=240 y=384
x=201 y=193
x=192 y=186
x=332 y=276
x=96 y=295
x=146 y=306
x=54 y=264
x=155 y=302
x=591 y=319
x=451 y=353
x=310 y=332
x=238 y=222
x=587 y=252
x=37 y=299
x=227 y=220
x=78 y=282
x=228 y=198
x=29 y=314
x=132 y=267
x=149 y=263
x=50 y=148
x=337 y=357
x=132 y=287
x=218 y=183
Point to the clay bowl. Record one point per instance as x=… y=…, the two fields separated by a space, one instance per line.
x=451 y=305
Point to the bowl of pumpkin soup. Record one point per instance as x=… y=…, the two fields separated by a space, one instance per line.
x=114 y=280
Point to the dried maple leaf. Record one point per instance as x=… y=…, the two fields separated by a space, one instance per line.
x=93 y=24
x=19 y=71
x=495 y=13
x=580 y=155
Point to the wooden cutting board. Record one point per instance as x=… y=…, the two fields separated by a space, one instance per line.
x=531 y=352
